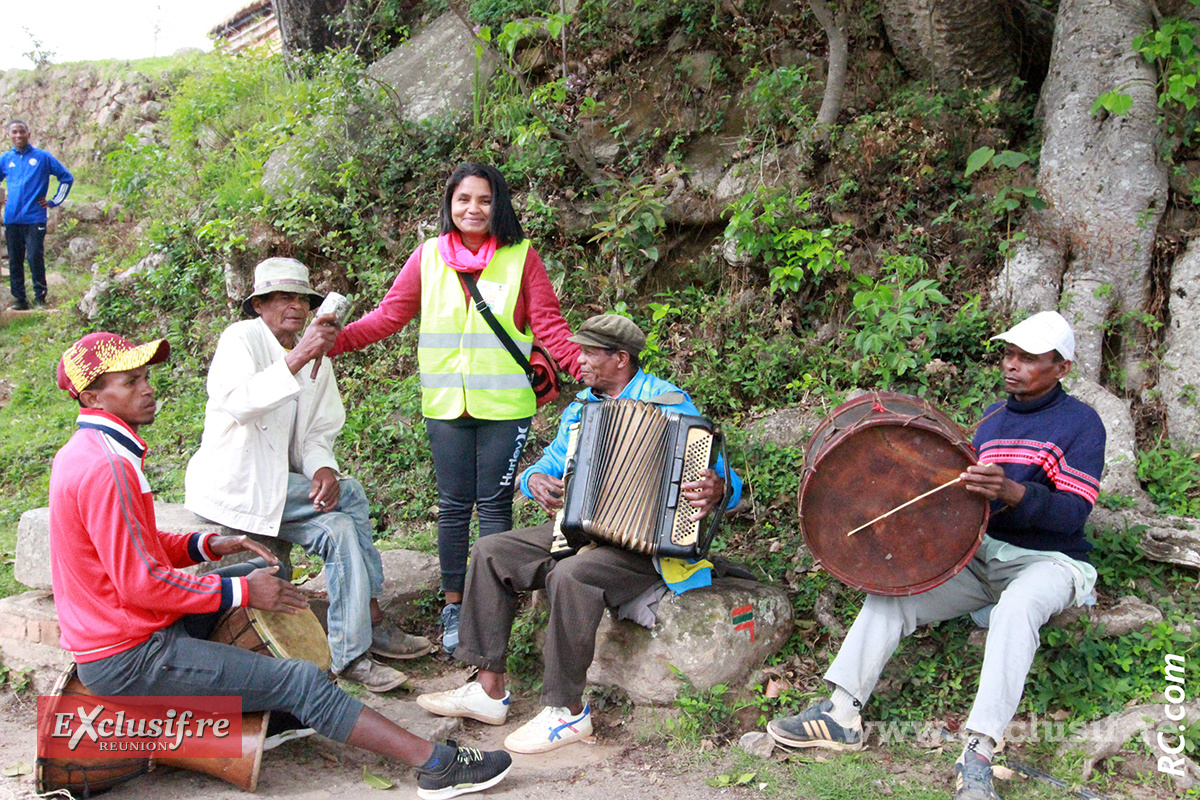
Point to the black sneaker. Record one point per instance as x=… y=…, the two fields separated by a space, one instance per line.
x=19 y=305
x=815 y=728
x=471 y=770
x=973 y=778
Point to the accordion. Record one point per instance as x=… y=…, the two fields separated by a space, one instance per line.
x=626 y=462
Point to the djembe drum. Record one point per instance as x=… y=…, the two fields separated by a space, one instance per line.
x=275 y=633
x=871 y=455
x=84 y=777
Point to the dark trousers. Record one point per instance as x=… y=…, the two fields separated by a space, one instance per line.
x=475 y=461
x=578 y=589
x=179 y=660
x=26 y=243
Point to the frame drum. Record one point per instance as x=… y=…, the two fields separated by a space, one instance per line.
x=275 y=633
x=869 y=456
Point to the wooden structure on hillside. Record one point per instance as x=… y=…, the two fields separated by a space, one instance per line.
x=254 y=25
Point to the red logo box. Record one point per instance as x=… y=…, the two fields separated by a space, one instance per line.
x=83 y=726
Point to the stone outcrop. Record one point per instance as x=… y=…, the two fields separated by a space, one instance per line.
x=431 y=76
x=79 y=111
x=32 y=566
x=715 y=635
x=101 y=284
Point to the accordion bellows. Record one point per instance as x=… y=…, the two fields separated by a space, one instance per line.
x=623 y=478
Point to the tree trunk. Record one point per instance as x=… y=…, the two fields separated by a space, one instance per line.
x=970 y=42
x=834 y=24
x=1090 y=250
x=304 y=25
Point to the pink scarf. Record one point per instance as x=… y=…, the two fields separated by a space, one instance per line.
x=456 y=254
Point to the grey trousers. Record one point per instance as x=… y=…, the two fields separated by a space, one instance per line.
x=179 y=660
x=1026 y=591
x=578 y=588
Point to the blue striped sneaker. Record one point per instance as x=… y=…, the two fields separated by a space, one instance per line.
x=815 y=728
x=551 y=729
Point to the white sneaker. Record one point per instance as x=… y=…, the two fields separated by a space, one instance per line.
x=470 y=701
x=551 y=729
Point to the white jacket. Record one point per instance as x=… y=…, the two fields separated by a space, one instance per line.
x=261 y=422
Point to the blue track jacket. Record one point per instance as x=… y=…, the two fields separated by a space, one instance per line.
x=26 y=174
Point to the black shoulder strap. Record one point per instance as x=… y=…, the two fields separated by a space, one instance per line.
x=486 y=312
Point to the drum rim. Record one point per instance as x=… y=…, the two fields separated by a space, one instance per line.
x=936 y=424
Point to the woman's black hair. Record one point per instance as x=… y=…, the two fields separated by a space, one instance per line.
x=504 y=223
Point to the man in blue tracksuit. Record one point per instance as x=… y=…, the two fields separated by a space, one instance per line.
x=26 y=172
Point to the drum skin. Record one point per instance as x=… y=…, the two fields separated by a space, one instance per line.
x=869 y=456
x=275 y=633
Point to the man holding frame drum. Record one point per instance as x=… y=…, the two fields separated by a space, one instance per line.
x=578 y=587
x=1040 y=459
x=135 y=622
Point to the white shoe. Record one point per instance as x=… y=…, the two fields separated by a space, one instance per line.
x=551 y=729
x=470 y=701
x=273 y=741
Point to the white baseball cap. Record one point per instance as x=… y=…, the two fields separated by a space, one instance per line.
x=1042 y=333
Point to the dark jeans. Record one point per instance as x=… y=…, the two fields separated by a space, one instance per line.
x=475 y=461
x=26 y=242
x=578 y=589
x=179 y=660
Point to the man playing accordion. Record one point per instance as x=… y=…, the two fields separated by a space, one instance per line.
x=577 y=588
x=1041 y=453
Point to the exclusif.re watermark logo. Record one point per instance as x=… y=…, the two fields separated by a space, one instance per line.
x=78 y=726
x=1170 y=743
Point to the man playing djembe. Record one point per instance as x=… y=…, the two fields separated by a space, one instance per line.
x=137 y=624
x=579 y=587
x=1040 y=463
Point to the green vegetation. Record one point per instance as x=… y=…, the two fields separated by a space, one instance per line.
x=866 y=271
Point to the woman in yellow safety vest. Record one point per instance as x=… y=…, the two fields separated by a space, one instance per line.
x=476 y=399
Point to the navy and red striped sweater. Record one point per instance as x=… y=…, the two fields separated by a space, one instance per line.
x=1055 y=447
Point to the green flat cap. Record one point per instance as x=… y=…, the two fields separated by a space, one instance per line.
x=611 y=332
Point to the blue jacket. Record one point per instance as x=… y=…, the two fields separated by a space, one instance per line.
x=27 y=175
x=1054 y=446
x=642 y=387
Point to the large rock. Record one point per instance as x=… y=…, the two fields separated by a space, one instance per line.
x=32 y=566
x=433 y=76
x=434 y=73
x=101 y=284
x=1120 y=458
x=1179 y=374
x=715 y=635
x=787 y=427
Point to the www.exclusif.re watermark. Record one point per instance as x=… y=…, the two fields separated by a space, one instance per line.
x=1172 y=761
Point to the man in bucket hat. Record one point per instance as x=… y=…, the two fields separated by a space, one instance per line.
x=266 y=464
x=137 y=624
x=578 y=588
x=1040 y=456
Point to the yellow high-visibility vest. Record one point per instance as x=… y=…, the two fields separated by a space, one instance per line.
x=464 y=365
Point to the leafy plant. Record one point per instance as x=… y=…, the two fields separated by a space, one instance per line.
x=1009 y=200
x=629 y=232
x=1172 y=477
x=889 y=314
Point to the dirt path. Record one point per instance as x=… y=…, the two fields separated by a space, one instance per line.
x=611 y=767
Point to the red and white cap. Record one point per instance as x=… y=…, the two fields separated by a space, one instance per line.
x=98 y=353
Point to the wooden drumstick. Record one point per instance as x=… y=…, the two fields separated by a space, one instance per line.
x=887 y=514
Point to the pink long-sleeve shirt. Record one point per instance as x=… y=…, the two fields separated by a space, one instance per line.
x=537 y=309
